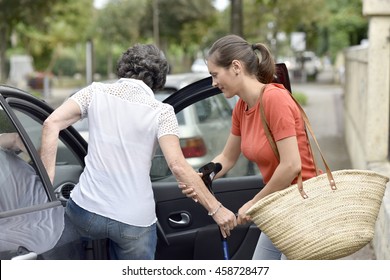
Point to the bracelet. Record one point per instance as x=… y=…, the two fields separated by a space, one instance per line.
x=215 y=211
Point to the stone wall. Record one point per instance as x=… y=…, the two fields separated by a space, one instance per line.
x=367 y=114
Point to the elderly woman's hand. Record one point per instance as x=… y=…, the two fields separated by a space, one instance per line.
x=225 y=219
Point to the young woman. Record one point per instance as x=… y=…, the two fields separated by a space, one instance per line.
x=246 y=70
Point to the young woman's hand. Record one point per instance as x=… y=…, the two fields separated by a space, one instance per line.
x=188 y=191
x=242 y=218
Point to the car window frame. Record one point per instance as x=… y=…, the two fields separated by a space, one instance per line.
x=41 y=171
x=38 y=165
x=15 y=99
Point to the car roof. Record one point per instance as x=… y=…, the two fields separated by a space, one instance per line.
x=178 y=81
x=174 y=82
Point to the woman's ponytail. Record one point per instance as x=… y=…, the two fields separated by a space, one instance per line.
x=266 y=64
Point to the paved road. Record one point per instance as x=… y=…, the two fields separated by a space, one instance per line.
x=58 y=95
x=325 y=112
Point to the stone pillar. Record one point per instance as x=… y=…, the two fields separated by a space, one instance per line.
x=377 y=115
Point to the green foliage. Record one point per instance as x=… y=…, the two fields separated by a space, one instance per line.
x=16 y=12
x=65 y=65
x=36 y=93
x=43 y=37
x=48 y=29
x=345 y=25
x=118 y=22
x=185 y=23
x=330 y=25
x=68 y=82
x=266 y=19
x=176 y=14
x=301 y=98
x=13 y=12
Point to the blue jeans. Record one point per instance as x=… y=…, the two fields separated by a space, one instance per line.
x=127 y=242
x=265 y=250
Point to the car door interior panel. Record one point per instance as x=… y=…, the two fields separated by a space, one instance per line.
x=192 y=234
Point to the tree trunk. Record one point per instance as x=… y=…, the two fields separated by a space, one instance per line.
x=3 y=47
x=110 y=64
x=236 y=20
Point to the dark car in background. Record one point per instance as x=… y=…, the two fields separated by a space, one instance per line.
x=32 y=209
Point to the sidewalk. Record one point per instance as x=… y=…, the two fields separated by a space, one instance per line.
x=325 y=110
x=59 y=95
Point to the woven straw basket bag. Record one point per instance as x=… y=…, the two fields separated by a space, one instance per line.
x=329 y=216
x=328 y=224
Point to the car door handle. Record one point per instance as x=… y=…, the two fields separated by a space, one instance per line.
x=184 y=221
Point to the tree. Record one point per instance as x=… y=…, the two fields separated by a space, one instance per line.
x=42 y=27
x=265 y=19
x=118 y=26
x=236 y=19
x=14 y=12
x=184 y=25
x=329 y=25
x=66 y=25
x=345 y=26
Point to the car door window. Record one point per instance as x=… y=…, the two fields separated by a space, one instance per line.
x=33 y=127
x=20 y=184
x=213 y=109
x=30 y=220
x=215 y=115
x=204 y=129
x=204 y=111
x=69 y=164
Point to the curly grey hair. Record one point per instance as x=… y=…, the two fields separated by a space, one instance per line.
x=146 y=63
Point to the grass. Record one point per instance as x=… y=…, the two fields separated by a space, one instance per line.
x=301 y=98
x=68 y=82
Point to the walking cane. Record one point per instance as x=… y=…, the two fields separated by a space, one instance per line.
x=209 y=171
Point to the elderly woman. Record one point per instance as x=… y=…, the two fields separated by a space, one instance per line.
x=114 y=197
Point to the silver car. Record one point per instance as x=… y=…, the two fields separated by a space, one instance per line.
x=203 y=127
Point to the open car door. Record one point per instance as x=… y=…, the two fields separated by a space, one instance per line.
x=31 y=208
x=185 y=229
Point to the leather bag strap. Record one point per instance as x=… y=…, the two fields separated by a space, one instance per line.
x=308 y=127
